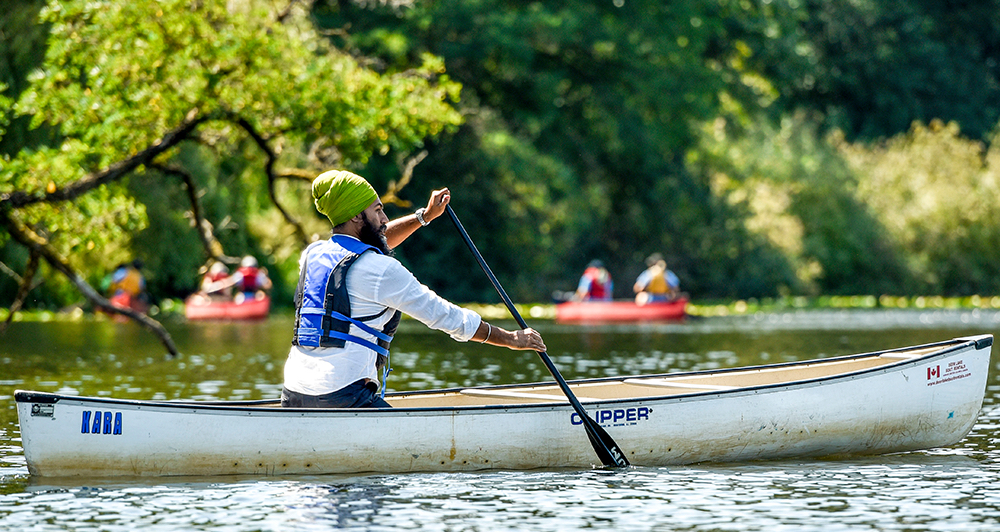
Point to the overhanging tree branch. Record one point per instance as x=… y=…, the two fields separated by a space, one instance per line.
x=271 y=177
x=212 y=245
x=395 y=187
x=25 y=284
x=41 y=246
x=19 y=199
x=38 y=244
x=297 y=174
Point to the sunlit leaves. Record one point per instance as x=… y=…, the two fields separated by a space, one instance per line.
x=935 y=192
x=119 y=74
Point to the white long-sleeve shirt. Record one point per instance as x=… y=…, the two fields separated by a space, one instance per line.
x=374 y=282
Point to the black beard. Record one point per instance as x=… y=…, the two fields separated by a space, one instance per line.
x=374 y=237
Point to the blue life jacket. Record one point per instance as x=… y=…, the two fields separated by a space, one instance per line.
x=323 y=308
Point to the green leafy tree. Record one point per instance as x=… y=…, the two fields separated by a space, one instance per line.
x=251 y=85
x=802 y=197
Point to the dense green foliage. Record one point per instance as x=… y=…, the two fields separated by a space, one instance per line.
x=764 y=148
x=876 y=66
x=691 y=128
x=118 y=76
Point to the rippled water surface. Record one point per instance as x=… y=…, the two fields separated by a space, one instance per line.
x=946 y=489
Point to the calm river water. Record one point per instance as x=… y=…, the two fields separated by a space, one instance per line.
x=947 y=489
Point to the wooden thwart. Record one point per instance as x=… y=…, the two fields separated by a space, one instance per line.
x=507 y=394
x=663 y=383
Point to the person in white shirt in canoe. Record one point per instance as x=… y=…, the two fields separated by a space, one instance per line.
x=351 y=292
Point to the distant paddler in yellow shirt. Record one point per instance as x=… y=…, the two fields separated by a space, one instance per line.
x=656 y=283
x=127 y=288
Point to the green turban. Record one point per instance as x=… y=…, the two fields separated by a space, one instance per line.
x=340 y=195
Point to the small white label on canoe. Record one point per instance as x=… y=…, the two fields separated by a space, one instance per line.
x=42 y=410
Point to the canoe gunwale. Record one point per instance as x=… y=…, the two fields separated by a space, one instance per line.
x=262 y=406
x=978 y=341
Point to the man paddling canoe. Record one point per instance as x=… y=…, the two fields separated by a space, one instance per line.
x=350 y=295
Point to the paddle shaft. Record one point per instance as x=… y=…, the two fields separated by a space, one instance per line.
x=605 y=447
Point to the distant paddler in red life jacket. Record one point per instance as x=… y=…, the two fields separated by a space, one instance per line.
x=351 y=292
x=251 y=281
x=656 y=283
x=216 y=283
x=595 y=283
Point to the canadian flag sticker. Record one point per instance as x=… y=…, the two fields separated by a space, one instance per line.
x=953 y=371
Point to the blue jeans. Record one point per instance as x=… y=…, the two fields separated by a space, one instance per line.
x=355 y=395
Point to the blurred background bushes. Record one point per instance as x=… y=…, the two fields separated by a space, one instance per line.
x=766 y=148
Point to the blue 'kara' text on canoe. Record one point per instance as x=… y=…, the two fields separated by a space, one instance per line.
x=97 y=425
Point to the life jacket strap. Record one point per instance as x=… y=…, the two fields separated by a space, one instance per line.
x=358 y=340
x=338 y=316
x=361 y=325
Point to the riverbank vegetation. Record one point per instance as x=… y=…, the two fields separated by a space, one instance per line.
x=773 y=151
x=174 y=308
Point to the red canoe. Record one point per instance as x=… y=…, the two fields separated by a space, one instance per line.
x=598 y=311
x=125 y=300
x=200 y=307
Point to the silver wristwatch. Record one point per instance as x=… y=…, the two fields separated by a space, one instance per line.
x=420 y=217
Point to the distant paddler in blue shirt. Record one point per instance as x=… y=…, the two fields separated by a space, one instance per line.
x=351 y=292
x=656 y=283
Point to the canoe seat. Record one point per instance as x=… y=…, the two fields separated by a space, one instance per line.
x=664 y=383
x=507 y=394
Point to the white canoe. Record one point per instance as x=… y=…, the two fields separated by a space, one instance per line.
x=890 y=401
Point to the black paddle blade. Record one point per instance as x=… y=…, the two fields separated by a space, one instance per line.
x=605 y=447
